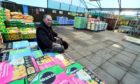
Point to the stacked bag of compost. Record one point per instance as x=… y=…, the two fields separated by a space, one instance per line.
x=80 y=22
x=23 y=62
x=19 y=26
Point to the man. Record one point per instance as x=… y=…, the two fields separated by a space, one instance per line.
x=47 y=39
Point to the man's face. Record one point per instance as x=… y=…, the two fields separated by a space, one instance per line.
x=48 y=21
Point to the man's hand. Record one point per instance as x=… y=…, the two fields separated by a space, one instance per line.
x=56 y=45
x=58 y=40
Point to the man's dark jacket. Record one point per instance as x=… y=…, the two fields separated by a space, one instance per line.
x=45 y=36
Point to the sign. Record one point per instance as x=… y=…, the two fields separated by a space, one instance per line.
x=25 y=10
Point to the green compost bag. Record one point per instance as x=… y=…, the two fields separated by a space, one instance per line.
x=80 y=22
x=48 y=75
x=37 y=53
x=73 y=68
x=21 y=81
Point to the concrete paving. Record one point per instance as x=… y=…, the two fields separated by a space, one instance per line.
x=105 y=53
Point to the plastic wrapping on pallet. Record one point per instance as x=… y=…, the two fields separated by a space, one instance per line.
x=80 y=22
x=97 y=26
x=62 y=20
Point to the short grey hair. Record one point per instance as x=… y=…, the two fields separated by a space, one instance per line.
x=46 y=16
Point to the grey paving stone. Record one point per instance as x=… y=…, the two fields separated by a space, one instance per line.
x=113 y=53
x=125 y=58
x=110 y=42
x=96 y=59
x=131 y=55
x=131 y=46
x=89 y=42
x=131 y=51
x=104 y=54
x=115 y=71
x=138 y=58
x=136 y=64
x=120 y=63
x=84 y=52
x=76 y=47
x=115 y=49
x=135 y=71
x=74 y=55
x=87 y=63
x=95 y=47
x=69 y=49
x=106 y=77
x=129 y=79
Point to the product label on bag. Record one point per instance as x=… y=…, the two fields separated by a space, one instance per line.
x=30 y=65
x=37 y=53
x=4 y=56
x=73 y=68
x=10 y=73
x=46 y=61
x=51 y=75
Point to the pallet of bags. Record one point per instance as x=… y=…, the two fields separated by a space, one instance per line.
x=80 y=22
x=31 y=33
x=1 y=39
x=2 y=26
x=2 y=15
x=8 y=13
x=15 y=23
x=17 y=15
x=30 y=25
x=11 y=34
x=28 y=33
x=28 y=18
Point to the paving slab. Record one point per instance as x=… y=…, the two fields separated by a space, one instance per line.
x=120 y=63
x=129 y=79
x=74 y=55
x=115 y=49
x=87 y=63
x=103 y=53
x=109 y=42
x=125 y=58
x=105 y=76
x=84 y=52
x=138 y=58
x=96 y=59
x=131 y=51
x=113 y=70
x=130 y=55
x=135 y=71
